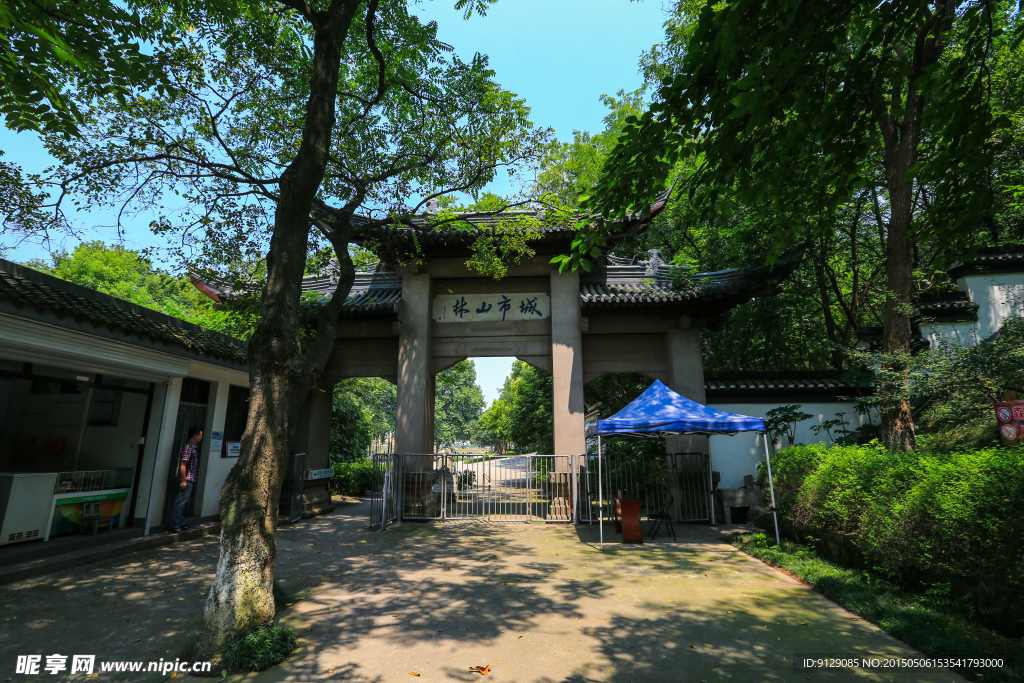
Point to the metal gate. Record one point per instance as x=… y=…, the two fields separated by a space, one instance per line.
x=383 y=507
x=294 y=489
x=679 y=484
x=511 y=488
x=691 y=486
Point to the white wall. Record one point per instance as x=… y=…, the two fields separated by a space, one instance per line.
x=737 y=455
x=998 y=296
x=960 y=333
x=116 y=447
x=215 y=468
x=160 y=396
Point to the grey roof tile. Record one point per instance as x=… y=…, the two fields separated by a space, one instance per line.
x=26 y=288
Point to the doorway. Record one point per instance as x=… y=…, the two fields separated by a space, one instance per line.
x=192 y=408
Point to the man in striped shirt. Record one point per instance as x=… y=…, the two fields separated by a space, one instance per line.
x=188 y=468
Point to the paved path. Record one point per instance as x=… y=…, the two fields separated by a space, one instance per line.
x=536 y=603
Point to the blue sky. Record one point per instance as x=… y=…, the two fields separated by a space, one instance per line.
x=560 y=55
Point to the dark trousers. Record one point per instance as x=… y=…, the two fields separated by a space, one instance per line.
x=178 y=509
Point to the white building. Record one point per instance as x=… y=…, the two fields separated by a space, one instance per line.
x=96 y=395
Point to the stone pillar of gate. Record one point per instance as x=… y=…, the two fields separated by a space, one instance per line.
x=567 y=366
x=312 y=436
x=686 y=378
x=413 y=420
x=429 y=404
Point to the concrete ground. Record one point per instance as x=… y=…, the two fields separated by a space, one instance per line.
x=536 y=603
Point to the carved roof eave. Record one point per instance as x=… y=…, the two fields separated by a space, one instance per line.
x=708 y=295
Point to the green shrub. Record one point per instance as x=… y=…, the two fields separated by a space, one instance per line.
x=958 y=516
x=352 y=478
x=351 y=431
x=465 y=479
x=261 y=649
x=925 y=513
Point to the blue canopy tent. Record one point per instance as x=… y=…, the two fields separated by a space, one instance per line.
x=659 y=411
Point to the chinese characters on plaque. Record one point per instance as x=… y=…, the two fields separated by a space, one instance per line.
x=1010 y=420
x=470 y=308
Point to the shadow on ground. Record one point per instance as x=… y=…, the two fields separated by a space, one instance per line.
x=536 y=602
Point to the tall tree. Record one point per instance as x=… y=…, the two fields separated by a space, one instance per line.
x=782 y=102
x=375 y=399
x=54 y=55
x=496 y=426
x=527 y=391
x=330 y=113
x=458 y=403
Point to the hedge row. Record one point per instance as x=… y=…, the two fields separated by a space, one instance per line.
x=351 y=478
x=918 y=516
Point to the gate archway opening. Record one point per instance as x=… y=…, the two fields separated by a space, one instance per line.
x=422 y=309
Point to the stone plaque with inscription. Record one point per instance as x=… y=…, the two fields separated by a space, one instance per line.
x=472 y=308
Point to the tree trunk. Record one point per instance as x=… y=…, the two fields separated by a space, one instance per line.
x=900 y=155
x=897 y=421
x=900 y=125
x=241 y=598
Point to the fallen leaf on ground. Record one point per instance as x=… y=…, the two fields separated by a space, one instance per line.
x=482 y=670
x=693 y=646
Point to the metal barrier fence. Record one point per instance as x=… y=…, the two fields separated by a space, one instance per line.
x=511 y=488
x=679 y=484
x=383 y=506
x=525 y=488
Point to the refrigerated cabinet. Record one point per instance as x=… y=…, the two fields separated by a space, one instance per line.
x=25 y=503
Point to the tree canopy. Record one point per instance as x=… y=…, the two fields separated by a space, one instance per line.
x=127 y=274
x=522 y=416
x=458 y=403
x=289 y=127
x=804 y=116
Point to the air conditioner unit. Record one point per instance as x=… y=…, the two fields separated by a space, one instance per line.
x=25 y=502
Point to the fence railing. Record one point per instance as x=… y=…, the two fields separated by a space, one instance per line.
x=544 y=488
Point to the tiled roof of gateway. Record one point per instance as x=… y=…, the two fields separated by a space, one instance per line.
x=653 y=283
x=613 y=282
x=24 y=288
x=782 y=386
x=376 y=292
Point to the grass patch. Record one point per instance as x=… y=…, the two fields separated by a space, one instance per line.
x=261 y=649
x=933 y=626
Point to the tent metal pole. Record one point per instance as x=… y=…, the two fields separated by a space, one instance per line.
x=771 y=488
x=711 y=492
x=600 y=493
